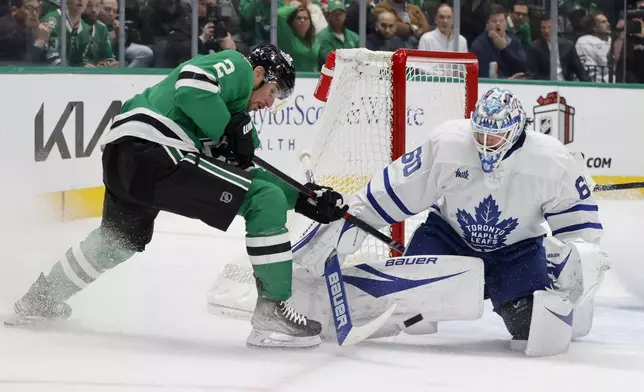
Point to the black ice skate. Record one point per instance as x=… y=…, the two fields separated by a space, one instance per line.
x=276 y=324
x=38 y=307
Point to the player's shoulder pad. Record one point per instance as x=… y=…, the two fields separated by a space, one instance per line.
x=452 y=130
x=541 y=144
x=228 y=60
x=451 y=139
x=546 y=155
x=240 y=61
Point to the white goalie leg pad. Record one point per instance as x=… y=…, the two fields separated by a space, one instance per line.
x=234 y=293
x=594 y=264
x=582 y=318
x=551 y=324
x=319 y=241
x=426 y=289
x=578 y=270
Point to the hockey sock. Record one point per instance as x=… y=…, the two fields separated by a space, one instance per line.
x=272 y=262
x=84 y=263
x=267 y=240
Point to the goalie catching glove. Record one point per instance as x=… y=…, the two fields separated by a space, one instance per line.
x=325 y=207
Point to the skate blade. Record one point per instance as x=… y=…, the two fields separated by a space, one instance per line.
x=16 y=320
x=271 y=339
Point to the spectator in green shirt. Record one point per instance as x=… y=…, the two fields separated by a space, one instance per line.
x=336 y=36
x=296 y=36
x=519 y=24
x=99 y=49
x=78 y=35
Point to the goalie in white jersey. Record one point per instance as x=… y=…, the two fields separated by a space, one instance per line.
x=489 y=185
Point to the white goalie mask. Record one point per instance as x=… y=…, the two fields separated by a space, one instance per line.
x=498 y=120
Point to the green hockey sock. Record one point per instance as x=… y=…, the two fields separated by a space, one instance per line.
x=272 y=262
x=267 y=240
x=84 y=263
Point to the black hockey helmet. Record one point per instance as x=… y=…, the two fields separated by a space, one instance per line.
x=278 y=67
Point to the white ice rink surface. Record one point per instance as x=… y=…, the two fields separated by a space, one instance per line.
x=144 y=327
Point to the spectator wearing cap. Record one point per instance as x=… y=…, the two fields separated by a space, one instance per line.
x=442 y=39
x=571 y=15
x=336 y=35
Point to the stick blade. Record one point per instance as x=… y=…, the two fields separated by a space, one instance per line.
x=357 y=334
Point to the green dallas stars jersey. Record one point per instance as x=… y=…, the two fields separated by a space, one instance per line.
x=99 y=47
x=78 y=38
x=191 y=106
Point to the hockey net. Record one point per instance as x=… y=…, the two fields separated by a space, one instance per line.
x=380 y=105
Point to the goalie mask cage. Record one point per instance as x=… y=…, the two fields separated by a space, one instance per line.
x=378 y=106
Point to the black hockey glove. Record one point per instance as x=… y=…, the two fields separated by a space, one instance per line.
x=239 y=137
x=329 y=205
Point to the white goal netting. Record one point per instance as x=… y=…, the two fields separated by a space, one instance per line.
x=379 y=106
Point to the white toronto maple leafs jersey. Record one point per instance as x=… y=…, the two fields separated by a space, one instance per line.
x=537 y=180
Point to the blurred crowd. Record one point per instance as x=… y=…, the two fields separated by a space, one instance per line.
x=598 y=41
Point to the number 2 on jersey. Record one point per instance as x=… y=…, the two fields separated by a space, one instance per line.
x=411 y=161
x=224 y=68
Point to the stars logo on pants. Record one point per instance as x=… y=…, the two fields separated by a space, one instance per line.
x=226 y=197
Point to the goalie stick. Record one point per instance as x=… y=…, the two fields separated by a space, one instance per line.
x=618 y=187
x=346 y=332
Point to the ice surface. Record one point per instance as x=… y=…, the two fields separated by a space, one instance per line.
x=144 y=327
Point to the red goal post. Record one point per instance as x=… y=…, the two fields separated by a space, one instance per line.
x=400 y=60
x=373 y=102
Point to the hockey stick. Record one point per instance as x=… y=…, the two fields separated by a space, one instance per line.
x=305 y=158
x=346 y=333
x=618 y=187
x=359 y=223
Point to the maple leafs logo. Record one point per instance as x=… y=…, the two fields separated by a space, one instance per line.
x=485 y=232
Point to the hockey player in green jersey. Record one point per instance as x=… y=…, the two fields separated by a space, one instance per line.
x=186 y=146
